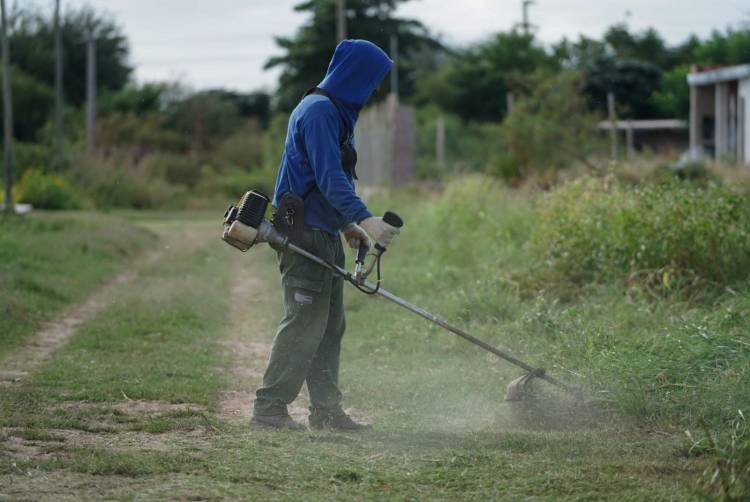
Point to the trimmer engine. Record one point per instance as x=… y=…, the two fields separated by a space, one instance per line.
x=244 y=224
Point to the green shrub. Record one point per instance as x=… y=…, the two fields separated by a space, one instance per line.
x=234 y=182
x=111 y=183
x=175 y=169
x=244 y=149
x=469 y=147
x=47 y=191
x=666 y=235
x=551 y=128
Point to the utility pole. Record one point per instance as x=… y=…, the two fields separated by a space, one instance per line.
x=340 y=20
x=526 y=24
x=7 y=113
x=90 y=93
x=612 y=125
x=394 y=69
x=59 y=132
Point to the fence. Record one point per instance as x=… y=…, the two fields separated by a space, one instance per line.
x=385 y=141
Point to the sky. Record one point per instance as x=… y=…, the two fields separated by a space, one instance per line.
x=225 y=43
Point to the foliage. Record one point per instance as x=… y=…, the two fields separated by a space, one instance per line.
x=469 y=147
x=139 y=100
x=138 y=135
x=244 y=149
x=307 y=54
x=670 y=236
x=31 y=36
x=672 y=97
x=728 y=476
x=32 y=104
x=732 y=47
x=113 y=183
x=47 y=191
x=550 y=128
x=631 y=81
x=474 y=82
x=252 y=105
x=204 y=119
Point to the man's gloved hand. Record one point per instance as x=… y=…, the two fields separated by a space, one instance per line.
x=379 y=231
x=354 y=235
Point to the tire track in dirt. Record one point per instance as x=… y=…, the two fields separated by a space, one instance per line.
x=247 y=355
x=56 y=332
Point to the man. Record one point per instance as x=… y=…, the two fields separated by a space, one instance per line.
x=318 y=166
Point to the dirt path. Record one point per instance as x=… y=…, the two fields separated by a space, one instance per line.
x=247 y=354
x=56 y=332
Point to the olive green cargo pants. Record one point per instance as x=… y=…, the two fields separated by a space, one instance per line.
x=308 y=339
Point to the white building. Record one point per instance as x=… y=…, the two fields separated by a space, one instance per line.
x=720 y=113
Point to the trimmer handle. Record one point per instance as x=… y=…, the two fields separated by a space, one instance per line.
x=364 y=247
x=393 y=220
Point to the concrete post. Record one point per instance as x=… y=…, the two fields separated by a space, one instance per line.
x=440 y=142
x=612 y=126
x=721 y=117
x=90 y=94
x=509 y=102
x=629 y=141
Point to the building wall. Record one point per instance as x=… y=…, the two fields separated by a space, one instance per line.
x=385 y=139
x=744 y=120
x=702 y=123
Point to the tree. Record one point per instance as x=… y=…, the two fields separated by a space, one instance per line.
x=255 y=104
x=32 y=104
x=307 y=53
x=550 y=127
x=205 y=118
x=730 y=48
x=632 y=82
x=474 y=82
x=32 y=40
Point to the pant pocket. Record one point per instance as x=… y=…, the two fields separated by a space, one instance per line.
x=299 y=272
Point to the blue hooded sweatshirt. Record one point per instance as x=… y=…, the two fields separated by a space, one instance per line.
x=311 y=163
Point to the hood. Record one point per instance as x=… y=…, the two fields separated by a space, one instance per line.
x=355 y=70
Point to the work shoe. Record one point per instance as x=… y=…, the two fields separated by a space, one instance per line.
x=338 y=421
x=280 y=422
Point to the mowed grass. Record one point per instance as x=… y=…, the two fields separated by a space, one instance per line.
x=442 y=431
x=51 y=260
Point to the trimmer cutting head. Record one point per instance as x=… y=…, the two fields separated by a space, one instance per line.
x=518 y=389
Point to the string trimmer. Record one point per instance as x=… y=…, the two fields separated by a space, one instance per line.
x=246 y=226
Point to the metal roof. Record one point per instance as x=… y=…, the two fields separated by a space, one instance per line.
x=726 y=74
x=644 y=125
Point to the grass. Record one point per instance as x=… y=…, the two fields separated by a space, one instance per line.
x=51 y=260
x=442 y=430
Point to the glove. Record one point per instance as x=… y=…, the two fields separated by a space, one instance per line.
x=379 y=231
x=354 y=235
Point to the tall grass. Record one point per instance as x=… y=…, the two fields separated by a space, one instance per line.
x=670 y=234
x=474 y=254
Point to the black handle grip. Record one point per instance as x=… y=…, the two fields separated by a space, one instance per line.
x=393 y=219
x=362 y=251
